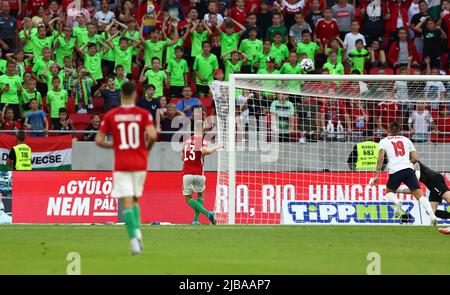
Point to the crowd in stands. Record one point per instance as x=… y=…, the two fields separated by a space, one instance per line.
x=62 y=63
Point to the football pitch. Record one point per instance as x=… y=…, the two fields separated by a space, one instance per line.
x=183 y=249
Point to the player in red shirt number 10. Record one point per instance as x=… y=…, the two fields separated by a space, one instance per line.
x=128 y=125
x=194 y=150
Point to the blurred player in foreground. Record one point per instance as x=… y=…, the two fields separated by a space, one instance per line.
x=194 y=150
x=128 y=125
x=400 y=152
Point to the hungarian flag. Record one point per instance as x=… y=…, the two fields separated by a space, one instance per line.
x=47 y=153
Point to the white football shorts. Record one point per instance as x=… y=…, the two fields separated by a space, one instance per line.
x=193 y=183
x=128 y=183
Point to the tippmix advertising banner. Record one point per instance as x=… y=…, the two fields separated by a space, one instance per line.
x=47 y=153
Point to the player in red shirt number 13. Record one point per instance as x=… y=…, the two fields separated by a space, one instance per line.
x=194 y=150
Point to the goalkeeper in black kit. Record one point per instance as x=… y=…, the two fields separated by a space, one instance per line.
x=435 y=183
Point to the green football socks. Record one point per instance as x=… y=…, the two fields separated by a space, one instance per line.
x=197 y=213
x=137 y=215
x=197 y=206
x=130 y=222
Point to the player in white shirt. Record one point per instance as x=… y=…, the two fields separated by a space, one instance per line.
x=401 y=155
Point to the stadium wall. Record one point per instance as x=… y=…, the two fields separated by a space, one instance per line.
x=331 y=156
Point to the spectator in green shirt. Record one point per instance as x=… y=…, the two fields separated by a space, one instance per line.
x=154 y=47
x=199 y=34
x=279 y=50
x=64 y=45
x=28 y=94
x=338 y=47
x=11 y=88
x=83 y=90
x=68 y=74
x=119 y=76
x=80 y=32
x=91 y=36
x=123 y=54
x=251 y=46
x=277 y=27
x=292 y=67
x=259 y=63
x=333 y=65
x=57 y=99
x=358 y=57
x=178 y=73
x=39 y=66
x=269 y=84
x=155 y=76
x=48 y=74
x=93 y=60
x=111 y=33
x=308 y=46
x=229 y=39
x=39 y=41
x=282 y=113
x=204 y=67
x=25 y=35
x=235 y=63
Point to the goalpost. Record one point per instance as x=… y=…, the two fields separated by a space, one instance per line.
x=289 y=141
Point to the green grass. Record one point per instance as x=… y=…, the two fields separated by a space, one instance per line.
x=42 y=249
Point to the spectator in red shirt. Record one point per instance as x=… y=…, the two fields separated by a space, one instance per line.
x=359 y=117
x=289 y=8
x=353 y=88
x=397 y=55
x=397 y=17
x=239 y=11
x=16 y=8
x=33 y=6
x=320 y=5
x=385 y=113
x=335 y=120
x=445 y=20
x=442 y=120
x=324 y=87
x=7 y=119
x=326 y=28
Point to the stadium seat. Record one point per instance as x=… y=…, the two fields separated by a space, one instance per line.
x=44 y=104
x=389 y=71
x=80 y=121
x=135 y=73
x=99 y=104
x=207 y=103
x=71 y=109
x=175 y=100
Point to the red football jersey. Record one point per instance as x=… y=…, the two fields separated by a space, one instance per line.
x=326 y=31
x=334 y=111
x=388 y=112
x=127 y=125
x=192 y=156
x=239 y=16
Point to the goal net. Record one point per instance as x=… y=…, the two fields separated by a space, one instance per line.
x=301 y=149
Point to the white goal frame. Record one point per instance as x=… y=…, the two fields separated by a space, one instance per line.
x=233 y=82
